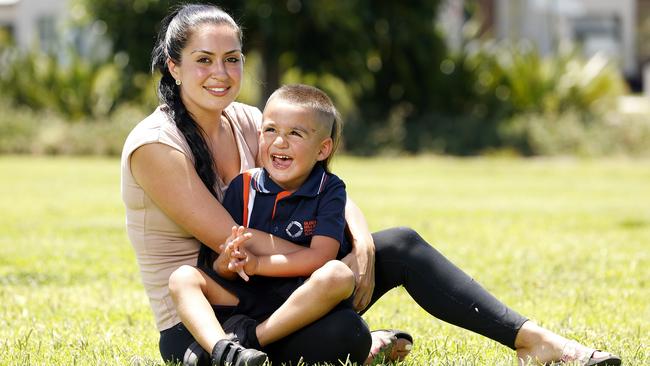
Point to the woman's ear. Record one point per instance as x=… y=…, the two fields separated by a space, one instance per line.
x=173 y=69
x=325 y=149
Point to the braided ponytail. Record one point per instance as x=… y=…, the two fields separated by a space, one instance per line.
x=175 y=31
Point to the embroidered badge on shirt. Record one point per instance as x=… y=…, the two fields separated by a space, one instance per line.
x=294 y=229
x=309 y=227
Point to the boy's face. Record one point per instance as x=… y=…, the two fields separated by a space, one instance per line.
x=291 y=142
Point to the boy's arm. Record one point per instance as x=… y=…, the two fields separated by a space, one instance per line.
x=325 y=242
x=300 y=263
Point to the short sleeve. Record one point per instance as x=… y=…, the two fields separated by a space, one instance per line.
x=233 y=201
x=248 y=122
x=330 y=219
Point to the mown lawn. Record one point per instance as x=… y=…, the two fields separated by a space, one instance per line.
x=565 y=242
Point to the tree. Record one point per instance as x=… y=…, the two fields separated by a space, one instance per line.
x=387 y=53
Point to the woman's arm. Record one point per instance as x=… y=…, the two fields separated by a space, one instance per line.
x=169 y=178
x=362 y=258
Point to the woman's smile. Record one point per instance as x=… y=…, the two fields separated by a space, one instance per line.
x=218 y=91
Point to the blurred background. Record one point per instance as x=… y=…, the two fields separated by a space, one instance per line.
x=459 y=77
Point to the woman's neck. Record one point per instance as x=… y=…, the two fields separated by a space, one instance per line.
x=210 y=122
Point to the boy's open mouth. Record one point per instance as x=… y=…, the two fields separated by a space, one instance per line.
x=281 y=161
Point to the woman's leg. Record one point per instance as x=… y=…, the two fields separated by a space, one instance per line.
x=403 y=258
x=446 y=292
x=174 y=342
x=339 y=335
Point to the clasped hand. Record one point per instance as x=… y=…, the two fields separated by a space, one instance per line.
x=234 y=258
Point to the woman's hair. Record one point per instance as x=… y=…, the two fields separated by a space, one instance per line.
x=318 y=101
x=175 y=31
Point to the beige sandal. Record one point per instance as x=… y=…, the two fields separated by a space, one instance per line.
x=393 y=347
x=575 y=352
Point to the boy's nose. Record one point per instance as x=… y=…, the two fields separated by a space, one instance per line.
x=280 y=141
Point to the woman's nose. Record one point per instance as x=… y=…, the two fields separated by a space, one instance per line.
x=219 y=71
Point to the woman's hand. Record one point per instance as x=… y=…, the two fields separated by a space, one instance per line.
x=362 y=262
x=233 y=257
x=362 y=258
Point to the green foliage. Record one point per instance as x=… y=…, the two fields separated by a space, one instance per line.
x=25 y=131
x=518 y=75
x=540 y=234
x=18 y=128
x=396 y=94
x=571 y=133
x=496 y=88
x=366 y=47
x=64 y=83
x=131 y=25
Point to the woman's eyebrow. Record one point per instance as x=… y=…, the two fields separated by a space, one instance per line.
x=212 y=53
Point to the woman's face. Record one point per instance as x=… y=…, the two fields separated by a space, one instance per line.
x=210 y=71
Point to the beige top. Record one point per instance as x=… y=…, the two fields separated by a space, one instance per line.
x=160 y=245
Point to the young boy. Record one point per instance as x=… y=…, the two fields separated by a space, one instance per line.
x=295 y=197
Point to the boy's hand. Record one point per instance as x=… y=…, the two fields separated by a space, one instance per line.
x=246 y=266
x=232 y=254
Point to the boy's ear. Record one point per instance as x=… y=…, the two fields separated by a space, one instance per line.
x=325 y=149
x=173 y=69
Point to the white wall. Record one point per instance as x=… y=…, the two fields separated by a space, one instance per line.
x=547 y=22
x=25 y=15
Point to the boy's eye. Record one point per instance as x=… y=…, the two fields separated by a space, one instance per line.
x=296 y=133
x=269 y=129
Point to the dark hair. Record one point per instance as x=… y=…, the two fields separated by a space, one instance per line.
x=175 y=31
x=318 y=101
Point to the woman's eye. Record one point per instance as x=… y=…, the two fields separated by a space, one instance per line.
x=233 y=59
x=203 y=60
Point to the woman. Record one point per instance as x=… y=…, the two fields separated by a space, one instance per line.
x=176 y=165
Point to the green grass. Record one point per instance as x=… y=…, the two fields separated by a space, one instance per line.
x=565 y=242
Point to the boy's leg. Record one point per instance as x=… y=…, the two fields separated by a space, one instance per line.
x=193 y=293
x=325 y=288
x=339 y=335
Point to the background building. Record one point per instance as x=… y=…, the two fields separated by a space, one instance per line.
x=33 y=21
x=616 y=29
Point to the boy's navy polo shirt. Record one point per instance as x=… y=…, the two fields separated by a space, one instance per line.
x=316 y=208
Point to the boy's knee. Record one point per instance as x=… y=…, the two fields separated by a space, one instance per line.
x=183 y=277
x=335 y=278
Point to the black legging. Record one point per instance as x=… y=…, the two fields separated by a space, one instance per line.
x=402 y=258
x=340 y=334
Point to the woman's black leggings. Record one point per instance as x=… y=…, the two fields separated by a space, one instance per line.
x=402 y=258
x=339 y=335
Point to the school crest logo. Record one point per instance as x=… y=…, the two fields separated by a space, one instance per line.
x=294 y=229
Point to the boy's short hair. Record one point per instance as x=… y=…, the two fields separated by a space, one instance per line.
x=317 y=100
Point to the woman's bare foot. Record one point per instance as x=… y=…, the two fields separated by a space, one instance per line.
x=535 y=344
